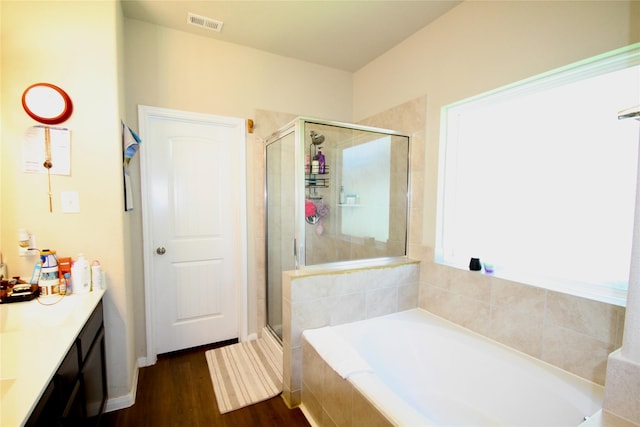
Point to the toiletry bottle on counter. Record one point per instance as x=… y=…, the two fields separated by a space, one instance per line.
x=62 y=288
x=96 y=275
x=321 y=165
x=81 y=276
x=49 y=280
x=67 y=283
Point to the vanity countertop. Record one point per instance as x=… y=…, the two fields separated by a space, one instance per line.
x=34 y=339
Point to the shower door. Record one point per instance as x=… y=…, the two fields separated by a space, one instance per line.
x=280 y=221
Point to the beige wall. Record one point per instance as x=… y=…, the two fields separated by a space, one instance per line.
x=172 y=69
x=476 y=47
x=482 y=45
x=74 y=45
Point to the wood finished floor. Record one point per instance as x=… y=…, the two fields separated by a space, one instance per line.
x=177 y=391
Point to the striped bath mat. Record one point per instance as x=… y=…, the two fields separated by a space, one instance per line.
x=244 y=373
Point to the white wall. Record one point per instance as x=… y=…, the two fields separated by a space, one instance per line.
x=75 y=46
x=482 y=45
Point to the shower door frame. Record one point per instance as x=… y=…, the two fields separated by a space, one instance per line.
x=298 y=128
x=293 y=127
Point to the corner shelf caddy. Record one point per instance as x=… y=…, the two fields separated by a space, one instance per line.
x=315 y=181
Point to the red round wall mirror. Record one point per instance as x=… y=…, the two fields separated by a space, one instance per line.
x=47 y=103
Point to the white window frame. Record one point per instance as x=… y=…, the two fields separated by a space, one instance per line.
x=612 y=61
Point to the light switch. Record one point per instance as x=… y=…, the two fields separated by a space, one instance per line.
x=70 y=201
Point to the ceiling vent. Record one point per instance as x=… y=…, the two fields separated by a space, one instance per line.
x=204 y=22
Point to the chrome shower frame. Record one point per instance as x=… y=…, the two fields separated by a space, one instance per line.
x=299 y=126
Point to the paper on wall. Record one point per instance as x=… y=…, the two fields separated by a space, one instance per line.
x=34 y=150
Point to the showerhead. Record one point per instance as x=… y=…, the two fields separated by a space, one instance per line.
x=316 y=138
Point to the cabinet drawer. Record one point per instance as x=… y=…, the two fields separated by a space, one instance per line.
x=90 y=331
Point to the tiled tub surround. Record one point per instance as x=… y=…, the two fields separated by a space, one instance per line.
x=416 y=368
x=317 y=297
x=573 y=333
x=329 y=399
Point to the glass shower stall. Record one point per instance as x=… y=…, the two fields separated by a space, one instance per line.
x=335 y=193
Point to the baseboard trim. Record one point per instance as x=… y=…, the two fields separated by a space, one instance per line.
x=127 y=400
x=308 y=416
x=143 y=361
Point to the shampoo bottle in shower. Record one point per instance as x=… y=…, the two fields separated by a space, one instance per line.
x=315 y=165
x=320 y=162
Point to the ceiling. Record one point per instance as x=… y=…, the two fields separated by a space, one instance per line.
x=340 y=34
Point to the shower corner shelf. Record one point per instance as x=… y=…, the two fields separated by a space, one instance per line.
x=313 y=181
x=316 y=180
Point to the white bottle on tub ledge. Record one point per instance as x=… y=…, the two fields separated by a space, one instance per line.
x=81 y=276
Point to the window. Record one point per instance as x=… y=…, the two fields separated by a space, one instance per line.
x=367 y=167
x=539 y=178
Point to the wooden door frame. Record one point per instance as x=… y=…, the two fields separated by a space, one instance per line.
x=144 y=114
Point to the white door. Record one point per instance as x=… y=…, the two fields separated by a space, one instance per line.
x=194 y=191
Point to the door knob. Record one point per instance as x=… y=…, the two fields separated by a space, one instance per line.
x=161 y=250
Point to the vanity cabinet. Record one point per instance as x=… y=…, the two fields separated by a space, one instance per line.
x=77 y=394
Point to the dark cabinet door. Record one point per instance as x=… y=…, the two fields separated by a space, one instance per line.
x=94 y=379
x=47 y=411
x=55 y=404
x=74 y=412
x=78 y=392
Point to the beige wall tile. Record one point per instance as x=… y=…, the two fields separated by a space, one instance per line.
x=622 y=394
x=468 y=312
x=311 y=403
x=347 y=308
x=312 y=288
x=308 y=315
x=313 y=370
x=518 y=329
x=518 y=296
x=595 y=319
x=471 y=284
x=296 y=369
x=338 y=397
x=408 y=297
x=381 y=301
x=436 y=275
x=365 y=414
x=576 y=352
